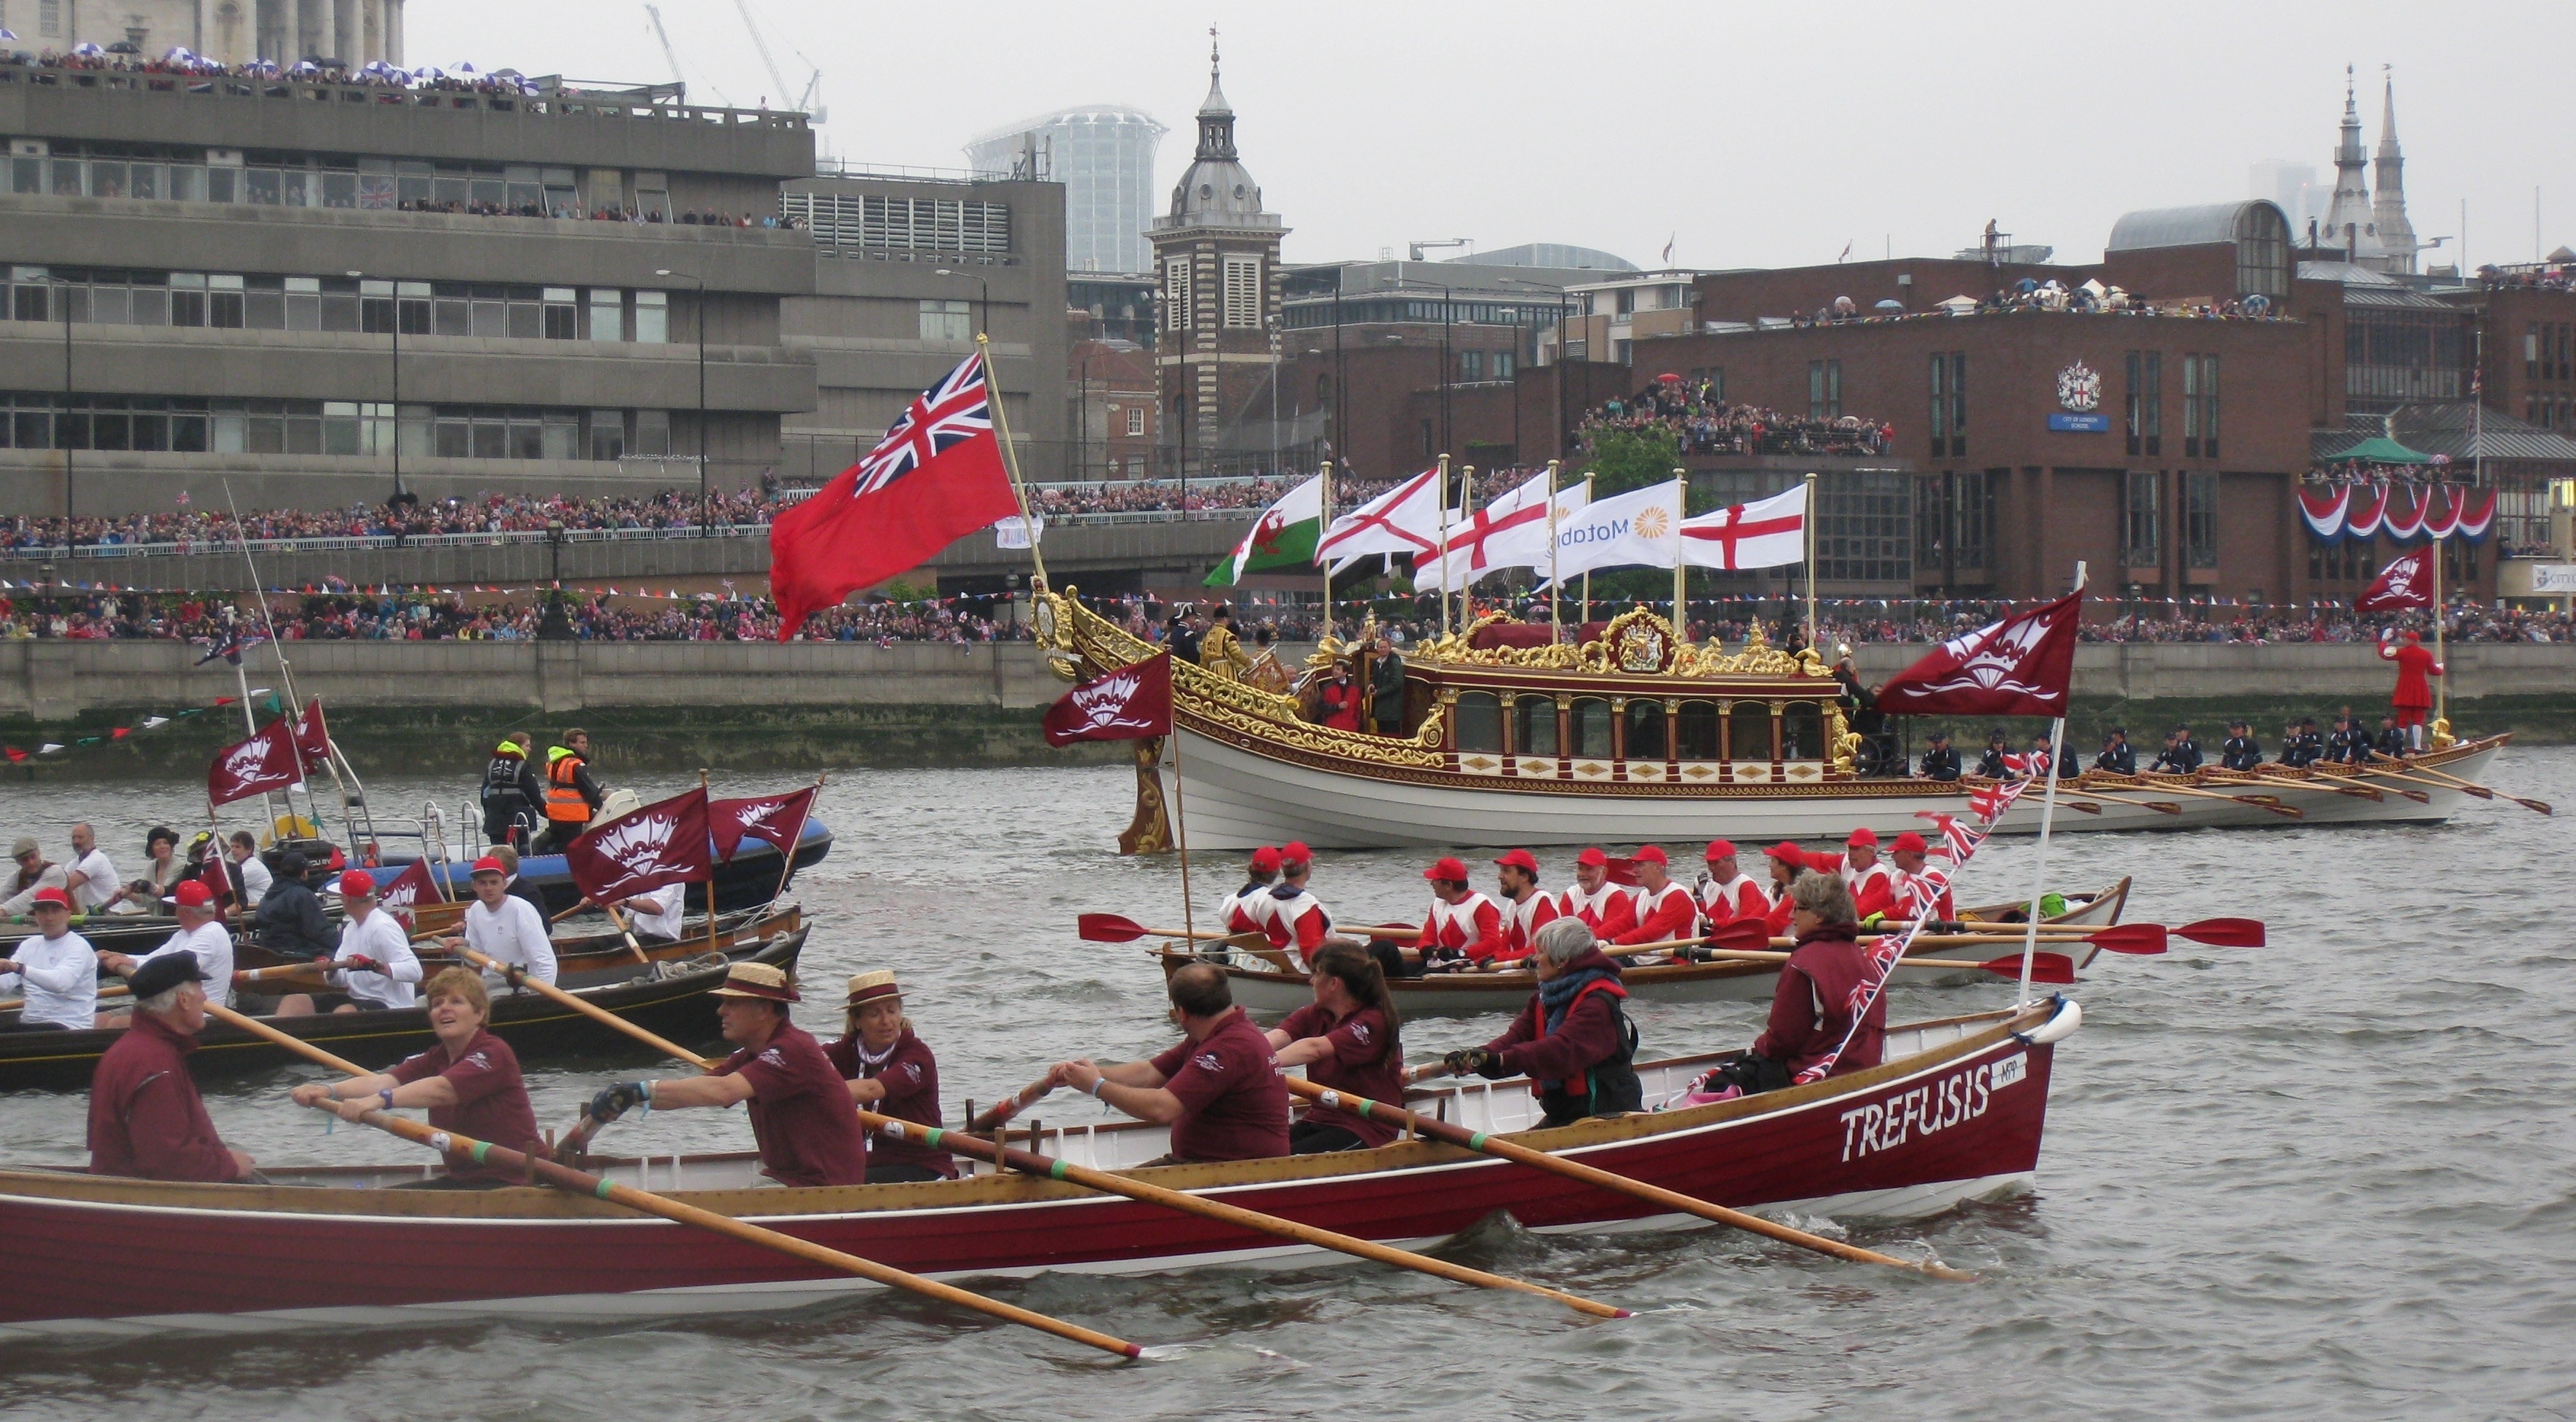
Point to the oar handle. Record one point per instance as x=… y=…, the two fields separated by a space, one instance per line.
x=576 y=1182
x=1670 y=1199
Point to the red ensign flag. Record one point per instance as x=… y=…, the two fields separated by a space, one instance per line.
x=2021 y=666
x=935 y=477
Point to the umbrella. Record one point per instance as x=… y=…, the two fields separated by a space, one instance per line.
x=1669 y=378
x=1889 y=304
x=463 y=67
x=6 y=35
x=86 y=48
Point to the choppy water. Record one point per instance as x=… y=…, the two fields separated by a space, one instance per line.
x=2333 y=1176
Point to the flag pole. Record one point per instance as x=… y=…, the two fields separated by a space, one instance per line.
x=1555 y=622
x=1466 y=576
x=1181 y=826
x=2047 y=819
x=1010 y=456
x=1325 y=526
x=1586 y=610
x=1811 y=584
x=788 y=854
x=1440 y=560
x=711 y=872
x=1681 y=510
x=2441 y=693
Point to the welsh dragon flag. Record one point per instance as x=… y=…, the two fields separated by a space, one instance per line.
x=1283 y=537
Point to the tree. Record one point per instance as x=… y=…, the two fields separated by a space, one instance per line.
x=1623 y=460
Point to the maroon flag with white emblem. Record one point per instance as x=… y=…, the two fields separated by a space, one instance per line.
x=409 y=890
x=2021 y=666
x=264 y=762
x=773 y=819
x=642 y=850
x=1128 y=704
x=312 y=738
x=2405 y=582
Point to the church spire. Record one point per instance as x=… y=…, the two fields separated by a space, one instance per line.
x=1216 y=116
x=2349 y=221
x=2388 y=207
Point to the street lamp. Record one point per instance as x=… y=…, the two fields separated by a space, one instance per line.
x=984 y=305
x=1446 y=359
x=705 y=522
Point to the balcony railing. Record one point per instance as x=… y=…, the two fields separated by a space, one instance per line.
x=557 y=105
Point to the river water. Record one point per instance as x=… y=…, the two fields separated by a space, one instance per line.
x=2335 y=1175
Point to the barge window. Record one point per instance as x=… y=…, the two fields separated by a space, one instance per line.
x=1588 y=729
x=1645 y=730
x=1479 y=722
x=1749 y=732
x=1695 y=734
x=1534 y=725
x=1802 y=731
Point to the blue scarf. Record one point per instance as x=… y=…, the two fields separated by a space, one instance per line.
x=1558 y=993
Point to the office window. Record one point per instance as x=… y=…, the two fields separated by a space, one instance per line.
x=2146 y=415
x=607 y=314
x=947 y=320
x=1243 y=292
x=653 y=432
x=562 y=313
x=2142 y=527
x=652 y=317
x=1176 y=294
x=2200 y=519
x=1135 y=421
x=49 y=18
x=608 y=434
x=2209 y=407
x=1949 y=404
x=1824 y=389
x=2191 y=407
x=1471 y=365
x=1865 y=527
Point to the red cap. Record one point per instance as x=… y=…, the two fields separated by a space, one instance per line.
x=357 y=884
x=488 y=865
x=1650 y=854
x=1451 y=869
x=1908 y=841
x=1593 y=859
x=1265 y=860
x=1863 y=835
x=51 y=895
x=193 y=893
x=1520 y=859
x=1720 y=849
x=1296 y=852
x=1788 y=853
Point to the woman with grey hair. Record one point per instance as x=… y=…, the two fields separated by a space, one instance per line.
x=1572 y=1039
x=1825 y=979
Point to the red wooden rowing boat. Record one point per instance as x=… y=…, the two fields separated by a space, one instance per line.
x=1954 y=1114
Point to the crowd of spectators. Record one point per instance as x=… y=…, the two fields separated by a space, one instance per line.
x=2560 y=275
x=748 y=510
x=1704 y=423
x=2052 y=295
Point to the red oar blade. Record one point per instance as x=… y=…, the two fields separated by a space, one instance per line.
x=2140 y=938
x=2044 y=967
x=2225 y=932
x=1108 y=928
x=1744 y=935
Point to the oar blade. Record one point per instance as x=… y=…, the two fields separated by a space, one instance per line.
x=1108 y=928
x=2140 y=938
x=2044 y=967
x=2225 y=932
x=2537 y=806
x=1743 y=935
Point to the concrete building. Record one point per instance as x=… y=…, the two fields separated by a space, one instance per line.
x=1217 y=254
x=231 y=31
x=906 y=270
x=320 y=292
x=1104 y=156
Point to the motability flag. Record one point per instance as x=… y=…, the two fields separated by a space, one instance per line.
x=1128 y=704
x=1283 y=537
x=265 y=762
x=312 y=738
x=1639 y=529
x=935 y=477
x=409 y=890
x=2405 y=582
x=644 y=849
x=773 y=819
x=2021 y=666
x=1767 y=533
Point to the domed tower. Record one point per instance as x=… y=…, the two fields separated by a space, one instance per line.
x=2350 y=223
x=1216 y=259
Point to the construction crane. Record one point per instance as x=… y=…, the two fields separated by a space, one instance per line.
x=806 y=104
x=1421 y=247
x=671 y=55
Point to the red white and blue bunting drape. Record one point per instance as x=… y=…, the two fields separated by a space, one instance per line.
x=2365 y=511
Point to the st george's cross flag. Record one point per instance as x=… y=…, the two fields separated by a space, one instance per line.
x=1510 y=532
x=2405 y=582
x=2021 y=666
x=1283 y=537
x=935 y=477
x=1766 y=533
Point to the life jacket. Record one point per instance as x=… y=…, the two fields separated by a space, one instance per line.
x=1608 y=1087
x=564 y=802
x=501 y=778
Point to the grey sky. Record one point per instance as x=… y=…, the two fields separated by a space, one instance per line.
x=1749 y=135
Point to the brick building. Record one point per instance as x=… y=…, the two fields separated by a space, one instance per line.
x=1217 y=256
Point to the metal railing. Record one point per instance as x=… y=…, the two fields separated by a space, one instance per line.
x=554 y=103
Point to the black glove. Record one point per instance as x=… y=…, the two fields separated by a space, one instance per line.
x=1475 y=1061
x=615 y=1101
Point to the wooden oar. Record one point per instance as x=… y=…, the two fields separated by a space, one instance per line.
x=2266 y=802
x=2444 y=780
x=1052 y=1168
x=1607 y=1180
x=519 y=977
x=1112 y=928
x=577 y=906
x=2243 y=777
x=2044 y=967
x=252 y=975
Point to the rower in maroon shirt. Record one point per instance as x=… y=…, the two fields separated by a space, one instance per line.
x=470 y=1082
x=1572 y=1040
x=1217 y=1088
x=145 y=1117
x=891 y=1072
x=1811 y=1009
x=800 y=1109
x=1346 y=1038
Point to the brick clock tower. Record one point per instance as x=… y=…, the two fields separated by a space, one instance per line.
x=1216 y=255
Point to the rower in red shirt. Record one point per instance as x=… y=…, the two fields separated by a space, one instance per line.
x=1605 y=908
x=890 y=1071
x=1297 y=919
x=145 y=1117
x=1864 y=875
x=1463 y=925
x=1525 y=908
x=1787 y=862
x=1346 y=1039
x=1247 y=909
x=1726 y=893
x=469 y=1081
x=1665 y=910
x=1217 y=1088
x=799 y=1107
x=1911 y=888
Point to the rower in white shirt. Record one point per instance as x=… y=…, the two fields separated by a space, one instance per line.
x=58 y=968
x=201 y=933
x=371 y=935
x=249 y=870
x=504 y=928
x=657 y=914
x=91 y=876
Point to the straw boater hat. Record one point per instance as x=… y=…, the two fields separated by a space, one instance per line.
x=868 y=987
x=758 y=980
